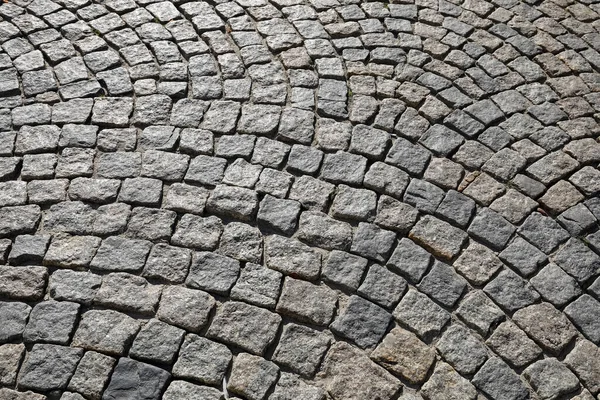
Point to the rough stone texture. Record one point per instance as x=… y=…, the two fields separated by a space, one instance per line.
x=245 y=326
x=202 y=360
x=275 y=176
x=343 y=364
x=403 y=354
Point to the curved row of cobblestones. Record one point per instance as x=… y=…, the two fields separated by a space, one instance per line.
x=299 y=199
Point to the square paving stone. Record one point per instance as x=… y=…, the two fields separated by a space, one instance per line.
x=477 y=263
x=307 y=302
x=290 y=387
x=372 y=242
x=479 y=312
x=264 y=375
x=157 y=342
x=277 y=183
x=343 y=167
x=197 y=232
x=443 y=284
x=543 y=232
x=445 y=383
x=578 y=260
x=292 y=257
x=301 y=349
x=354 y=204
x=410 y=260
x=343 y=363
x=72 y=251
x=19 y=219
x=92 y=374
x=278 y=214
x=585 y=313
x=242 y=242
x=15 y=316
x=106 y=331
x=582 y=360
x=121 y=254
x=439 y=237
x=257 y=285
x=550 y=378
x=136 y=381
x=233 y=202
x=167 y=263
x=523 y=256
x=248 y=327
x=180 y=390
x=491 y=228
x=28 y=248
x=51 y=322
x=387 y=179
x=206 y=170
x=12 y=354
x=128 y=292
x=461 y=349
x=344 y=269
x=23 y=283
x=151 y=224
x=513 y=345
x=510 y=291
x=202 y=360
x=497 y=380
x=404 y=355
x=352 y=322
x=423 y=195
x=320 y=230
x=213 y=272
x=185 y=308
x=421 y=314
x=547 y=326
x=555 y=285
x=186 y=198
x=48 y=367
x=395 y=215
x=312 y=193
x=80 y=287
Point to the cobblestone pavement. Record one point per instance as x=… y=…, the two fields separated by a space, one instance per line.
x=299 y=200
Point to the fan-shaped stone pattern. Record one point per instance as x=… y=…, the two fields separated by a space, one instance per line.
x=262 y=198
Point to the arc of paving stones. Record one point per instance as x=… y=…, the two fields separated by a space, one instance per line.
x=294 y=199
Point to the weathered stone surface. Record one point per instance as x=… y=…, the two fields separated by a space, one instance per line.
x=403 y=354
x=180 y=390
x=439 y=237
x=363 y=322
x=120 y=254
x=202 y=360
x=513 y=345
x=546 y=325
x=252 y=376
x=257 y=285
x=582 y=361
x=248 y=327
x=51 y=322
x=318 y=229
x=186 y=308
x=421 y=314
x=343 y=364
x=23 y=283
x=550 y=378
x=212 y=272
x=48 y=367
x=106 y=331
x=11 y=354
x=446 y=384
x=136 y=380
x=307 y=302
x=497 y=380
x=292 y=257
x=128 y=292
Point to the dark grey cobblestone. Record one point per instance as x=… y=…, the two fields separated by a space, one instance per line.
x=267 y=199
